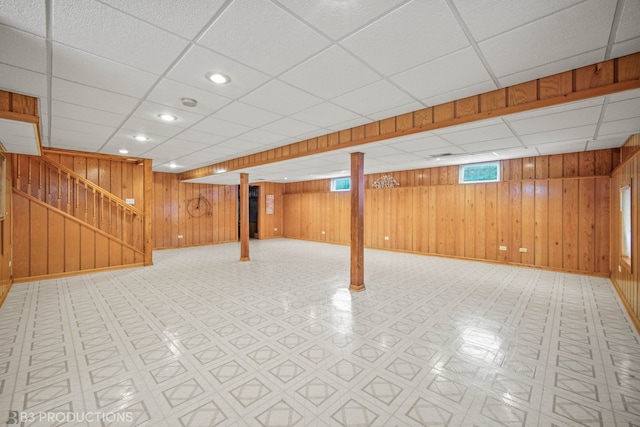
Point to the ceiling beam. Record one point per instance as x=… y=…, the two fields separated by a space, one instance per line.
x=600 y=79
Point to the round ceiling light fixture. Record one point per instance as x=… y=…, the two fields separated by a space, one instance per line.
x=167 y=117
x=140 y=138
x=189 y=102
x=218 y=78
x=123 y=151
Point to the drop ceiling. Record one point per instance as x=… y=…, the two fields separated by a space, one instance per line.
x=104 y=70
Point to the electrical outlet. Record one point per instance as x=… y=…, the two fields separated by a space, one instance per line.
x=275 y=229
x=180 y=236
x=503 y=248
x=523 y=249
x=386 y=237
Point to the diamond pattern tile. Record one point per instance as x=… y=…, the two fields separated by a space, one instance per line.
x=224 y=343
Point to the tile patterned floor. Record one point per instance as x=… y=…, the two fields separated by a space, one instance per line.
x=201 y=339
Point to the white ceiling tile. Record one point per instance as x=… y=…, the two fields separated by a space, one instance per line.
x=80 y=67
x=124 y=138
x=150 y=110
x=170 y=93
x=623 y=110
x=239 y=145
x=419 y=142
x=120 y=141
x=458 y=70
x=622 y=96
x=628 y=27
x=150 y=127
x=183 y=17
x=263 y=137
x=22 y=81
x=27 y=51
x=194 y=66
x=389 y=44
x=237 y=112
x=330 y=73
x=244 y=26
x=380 y=151
x=476 y=134
x=558 y=109
x=26 y=15
x=79 y=140
x=351 y=123
x=290 y=127
x=396 y=111
x=179 y=145
x=103 y=31
x=325 y=115
x=626 y=48
x=91 y=97
x=216 y=126
x=201 y=137
x=567 y=119
x=85 y=114
x=101 y=132
x=432 y=152
x=402 y=158
x=582 y=28
x=488 y=18
x=557 y=148
x=280 y=98
x=607 y=142
x=629 y=126
x=373 y=98
x=558 y=66
x=339 y=18
x=472 y=90
x=574 y=133
x=19 y=137
x=491 y=145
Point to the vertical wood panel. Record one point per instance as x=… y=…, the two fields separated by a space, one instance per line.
x=56 y=244
x=555 y=224
x=570 y=224
x=541 y=221
x=528 y=222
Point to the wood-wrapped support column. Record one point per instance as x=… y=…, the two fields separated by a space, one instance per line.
x=244 y=217
x=357 y=222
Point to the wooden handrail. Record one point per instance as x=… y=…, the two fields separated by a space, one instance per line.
x=94 y=187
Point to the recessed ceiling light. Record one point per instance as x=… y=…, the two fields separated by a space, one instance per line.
x=123 y=151
x=218 y=78
x=167 y=117
x=140 y=138
x=173 y=165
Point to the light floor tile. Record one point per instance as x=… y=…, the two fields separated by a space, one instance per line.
x=200 y=338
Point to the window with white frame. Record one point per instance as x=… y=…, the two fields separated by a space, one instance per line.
x=479 y=172
x=341 y=184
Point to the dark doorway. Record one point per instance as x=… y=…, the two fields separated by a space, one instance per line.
x=254 y=193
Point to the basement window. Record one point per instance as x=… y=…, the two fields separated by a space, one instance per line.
x=479 y=172
x=341 y=184
x=625 y=226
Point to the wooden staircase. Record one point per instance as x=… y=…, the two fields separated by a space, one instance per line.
x=65 y=223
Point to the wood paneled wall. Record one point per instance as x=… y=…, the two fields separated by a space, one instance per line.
x=52 y=242
x=66 y=225
x=171 y=219
x=6 y=240
x=270 y=226
x=627 y=282
x=122 y=178
x=557 y=207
